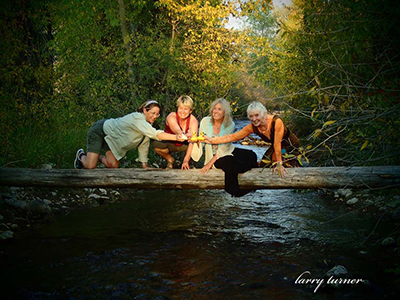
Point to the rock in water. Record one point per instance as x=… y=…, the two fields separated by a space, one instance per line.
x=345 y=192
x=337 y=271
x=352 y=201
x=389 y=242
x=39 y=207
x=6 y=235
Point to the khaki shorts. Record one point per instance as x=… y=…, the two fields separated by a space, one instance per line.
x=170 y=146
x=95 y=141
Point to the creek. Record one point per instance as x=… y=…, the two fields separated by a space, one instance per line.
x=201 y=244
x=197 y=245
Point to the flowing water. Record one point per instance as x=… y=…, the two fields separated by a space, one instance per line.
x=199 y=244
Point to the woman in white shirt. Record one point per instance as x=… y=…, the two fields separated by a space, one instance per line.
x=224 y=156
x=117 y=136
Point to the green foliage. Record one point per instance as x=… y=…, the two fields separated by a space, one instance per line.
x=26 y=78
x=395 y=271
x=65 y=64
x=338 y=61
x=68 y=63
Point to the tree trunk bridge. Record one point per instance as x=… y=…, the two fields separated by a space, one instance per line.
x=296 y=178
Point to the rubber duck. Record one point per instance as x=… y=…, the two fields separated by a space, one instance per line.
x=194 y=136
x=200 y=138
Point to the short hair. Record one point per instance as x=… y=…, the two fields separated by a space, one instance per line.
x=149 y=104
x=257 y=106
x=184 y=100
x=226 y=107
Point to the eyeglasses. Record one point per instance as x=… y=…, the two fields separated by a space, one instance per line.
x=154 y=114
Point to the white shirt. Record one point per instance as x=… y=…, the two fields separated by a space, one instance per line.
x=127 y=132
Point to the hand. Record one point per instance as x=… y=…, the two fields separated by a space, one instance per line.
x=207 y=139
x=280 y=169
x=185 y=165
x=181 y=137
x=205 y=169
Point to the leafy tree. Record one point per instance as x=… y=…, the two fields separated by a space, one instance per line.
x=67 y=63
x=336 y=63
x=26 y=62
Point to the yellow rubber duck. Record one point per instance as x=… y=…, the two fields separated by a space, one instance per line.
x=194 y=137
x=200 y=138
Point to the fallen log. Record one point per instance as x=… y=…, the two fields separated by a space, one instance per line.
x=296 y=178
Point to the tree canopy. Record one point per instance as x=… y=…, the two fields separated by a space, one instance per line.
x=336 y=64
x=332 y=64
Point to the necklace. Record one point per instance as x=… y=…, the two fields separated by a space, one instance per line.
x=217 y=128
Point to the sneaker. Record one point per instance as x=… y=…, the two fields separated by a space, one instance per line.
x=78 y=164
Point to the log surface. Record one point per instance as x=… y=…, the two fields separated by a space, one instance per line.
x=298 y=178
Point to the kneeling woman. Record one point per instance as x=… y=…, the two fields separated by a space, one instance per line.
x=225 y=156
x=117 y=136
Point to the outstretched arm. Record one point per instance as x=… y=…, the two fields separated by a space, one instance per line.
x=162 y=136
x=245 y=131
x=148 y=130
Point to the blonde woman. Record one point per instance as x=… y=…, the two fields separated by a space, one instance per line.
x=224 y=156
x=117 y=136
x=180 y=122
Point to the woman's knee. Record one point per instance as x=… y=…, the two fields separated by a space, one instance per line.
x=112 y=165
x=161 y=151
x=90 y=160
x=90 y=166
x=110 y=161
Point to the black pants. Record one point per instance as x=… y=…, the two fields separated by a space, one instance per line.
x=241 y=161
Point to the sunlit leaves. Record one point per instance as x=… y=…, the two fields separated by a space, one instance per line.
x=327 y=123
x=328 y=64
x=364 y=145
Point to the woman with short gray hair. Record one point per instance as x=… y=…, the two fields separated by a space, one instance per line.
x=272 y=130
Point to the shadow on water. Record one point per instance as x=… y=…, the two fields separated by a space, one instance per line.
x=158 y=244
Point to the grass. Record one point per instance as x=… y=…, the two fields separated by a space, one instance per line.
x=34 y=146
x=31 y=146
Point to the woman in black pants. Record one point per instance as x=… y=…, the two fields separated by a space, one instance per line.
x=241 y=161
x=224 y=156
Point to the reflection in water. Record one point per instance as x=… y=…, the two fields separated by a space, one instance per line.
x=191 y=245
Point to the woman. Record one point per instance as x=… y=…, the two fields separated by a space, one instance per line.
x=180 y=122
x=232 y=161
x=117 y=136
x=271 y=129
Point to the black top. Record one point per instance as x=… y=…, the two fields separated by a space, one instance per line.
x=272 y=135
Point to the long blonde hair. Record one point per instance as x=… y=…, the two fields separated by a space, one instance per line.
x=226 y=107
